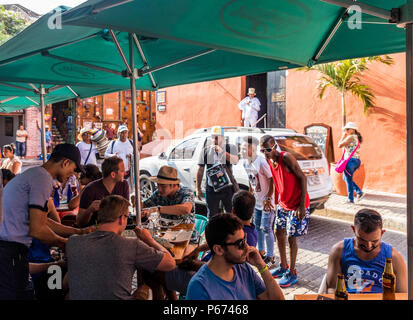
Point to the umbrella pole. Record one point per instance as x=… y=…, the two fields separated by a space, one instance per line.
x=409 y=116
x=43 y=133
x=136 y=152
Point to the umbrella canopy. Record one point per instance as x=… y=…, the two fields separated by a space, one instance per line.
x=298 y=32
x=294 y=31
x=16 y=95
x=83 y=56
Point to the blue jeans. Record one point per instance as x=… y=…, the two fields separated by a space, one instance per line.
x=20 y=149
x=352 y=165
x=264 y=223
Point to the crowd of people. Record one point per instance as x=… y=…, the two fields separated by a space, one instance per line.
x=237 y=261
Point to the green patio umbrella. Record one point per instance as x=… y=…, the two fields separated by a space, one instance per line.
x=52 y=52
x=286 y=30
x=300 y=32
x=16 y=96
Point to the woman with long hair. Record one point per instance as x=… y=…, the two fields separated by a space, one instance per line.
x=11 y=161
x=350 y=141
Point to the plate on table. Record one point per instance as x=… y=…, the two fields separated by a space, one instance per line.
x=169 y=223
x=177 y=235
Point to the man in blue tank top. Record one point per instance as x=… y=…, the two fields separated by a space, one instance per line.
x=362 y=259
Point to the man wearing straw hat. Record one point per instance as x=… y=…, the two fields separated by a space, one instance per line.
x=86 y=147
x=171 y=200
x=250 y=107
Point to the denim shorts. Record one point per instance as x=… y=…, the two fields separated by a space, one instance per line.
x=286 y=219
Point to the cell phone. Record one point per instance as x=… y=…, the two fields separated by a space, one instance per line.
x=130 y=226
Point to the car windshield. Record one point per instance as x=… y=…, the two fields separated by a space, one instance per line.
x=301 y=147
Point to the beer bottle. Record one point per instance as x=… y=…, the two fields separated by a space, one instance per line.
x=389 y=281
x=341 y=292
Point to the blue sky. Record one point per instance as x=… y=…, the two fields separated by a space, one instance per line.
x=43 y=6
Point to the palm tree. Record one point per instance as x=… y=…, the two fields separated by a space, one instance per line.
x=344 y=76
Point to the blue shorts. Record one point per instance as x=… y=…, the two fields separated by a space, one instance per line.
x=286 y=219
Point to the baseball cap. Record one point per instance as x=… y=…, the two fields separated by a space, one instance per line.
x=217 y=131
x=122 y=128
x=71 y=152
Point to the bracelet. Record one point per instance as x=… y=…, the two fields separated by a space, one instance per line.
x=263 y=270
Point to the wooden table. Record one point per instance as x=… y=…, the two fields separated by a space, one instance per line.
x=179 y=249
x=330 y=296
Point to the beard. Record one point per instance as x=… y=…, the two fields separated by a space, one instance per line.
x=231 y=259
x=367 y=250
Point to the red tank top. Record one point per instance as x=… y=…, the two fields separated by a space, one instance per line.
x=287 y=186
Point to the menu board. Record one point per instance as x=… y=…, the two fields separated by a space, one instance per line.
x=318 y=134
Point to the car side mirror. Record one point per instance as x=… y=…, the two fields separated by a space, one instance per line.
x=162 y=156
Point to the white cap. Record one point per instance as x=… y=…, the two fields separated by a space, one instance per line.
x=122 y=128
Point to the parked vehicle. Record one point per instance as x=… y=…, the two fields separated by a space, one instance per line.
x=184 y=156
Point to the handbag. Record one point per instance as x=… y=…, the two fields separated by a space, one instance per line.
x=342 y=163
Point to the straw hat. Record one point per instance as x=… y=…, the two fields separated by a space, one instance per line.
x=251 y=91
x=166 y=175
x=84 y=130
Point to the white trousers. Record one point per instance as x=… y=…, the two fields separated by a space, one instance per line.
x=250 y=122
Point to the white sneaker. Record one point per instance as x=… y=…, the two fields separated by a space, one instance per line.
x=360 y=196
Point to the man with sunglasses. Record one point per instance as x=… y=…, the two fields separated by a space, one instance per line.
x=362 y=259
x=292 y=212
x=227 y=275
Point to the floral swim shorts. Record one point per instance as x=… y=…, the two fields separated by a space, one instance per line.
x=286 y=219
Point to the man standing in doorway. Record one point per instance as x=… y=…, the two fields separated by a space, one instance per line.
x=250 y=107
x=218 y=157
x=292 y=214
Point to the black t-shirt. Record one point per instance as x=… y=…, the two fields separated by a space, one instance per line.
x=209 y=157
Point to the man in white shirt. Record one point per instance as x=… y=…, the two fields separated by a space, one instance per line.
x=21 y=137
x=250 y=107
x=121 y=147
x=261 y=183
x=86 y=147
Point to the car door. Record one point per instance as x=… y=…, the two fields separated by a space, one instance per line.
x=182 y=158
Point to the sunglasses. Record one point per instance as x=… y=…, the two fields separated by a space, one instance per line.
x=264 y=150
x=240 y=244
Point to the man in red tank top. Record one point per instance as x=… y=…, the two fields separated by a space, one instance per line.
x=293 y=202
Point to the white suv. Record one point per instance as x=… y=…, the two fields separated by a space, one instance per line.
x=184 y=156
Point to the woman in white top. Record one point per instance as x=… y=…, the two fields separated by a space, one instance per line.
x=350 y=141
x=11 y=161
x=86 y=147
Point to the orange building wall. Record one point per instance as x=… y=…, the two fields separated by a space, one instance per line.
x=199 y=105
x=383 y=150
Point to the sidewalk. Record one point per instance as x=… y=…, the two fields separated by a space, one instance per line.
x=392 y=207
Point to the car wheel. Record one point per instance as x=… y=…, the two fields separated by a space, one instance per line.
x=147 y=187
